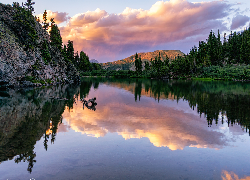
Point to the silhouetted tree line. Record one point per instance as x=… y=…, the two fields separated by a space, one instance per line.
x=213 y=58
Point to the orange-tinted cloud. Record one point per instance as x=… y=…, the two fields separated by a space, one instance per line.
x=59 y=17
x=164 y=126
x=109 y=36
x=232 y=176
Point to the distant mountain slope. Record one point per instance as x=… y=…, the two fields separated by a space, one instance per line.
x=128 y=63
x=93 y=61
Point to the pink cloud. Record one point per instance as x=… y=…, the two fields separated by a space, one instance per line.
x=109 y=37
x=239 y=21
x=87 y=18
x=59 y=17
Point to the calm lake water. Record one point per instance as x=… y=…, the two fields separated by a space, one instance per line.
x=139 y=129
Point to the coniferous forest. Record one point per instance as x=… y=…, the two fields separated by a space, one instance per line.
x=217 y=57
x=226 y=59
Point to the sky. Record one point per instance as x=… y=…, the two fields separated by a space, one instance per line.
x=109 y=30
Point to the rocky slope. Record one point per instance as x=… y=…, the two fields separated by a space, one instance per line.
x=22 y=66
x=128 y=63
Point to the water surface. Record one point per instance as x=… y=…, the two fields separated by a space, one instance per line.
x=139 y=129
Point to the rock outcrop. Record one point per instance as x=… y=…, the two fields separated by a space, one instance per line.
x=22 y=66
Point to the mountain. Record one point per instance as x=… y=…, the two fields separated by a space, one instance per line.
x=93 y=61
x=129 y=62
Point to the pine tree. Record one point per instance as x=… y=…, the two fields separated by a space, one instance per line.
x=45 y=52
x=77 y=60
x=211 y=42
x=55 y=36
x=45 y=24
x=166 y=61
x=70 y=51
x=136 y=63
x=24 y=26
x=140 y=65
x=84 y=64
x=147 y=67
x=29 y=5
x=64 y=51
x=219 y=55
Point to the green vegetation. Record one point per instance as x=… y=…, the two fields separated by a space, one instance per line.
x=46 y=115
x=24 y=27
x=35 y=37
x=55 y=36
x=213 y=59
x=219 y=60
x=33 y=79
x=45 y=52
x=138 y=64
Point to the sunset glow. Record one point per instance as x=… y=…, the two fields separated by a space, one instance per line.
x=131 y=120
x=232 y=176
x=166 y=25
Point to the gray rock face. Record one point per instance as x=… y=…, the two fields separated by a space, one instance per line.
x=19 y=65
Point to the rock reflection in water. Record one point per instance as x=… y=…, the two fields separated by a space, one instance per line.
x=26 y=116
x=125 y=107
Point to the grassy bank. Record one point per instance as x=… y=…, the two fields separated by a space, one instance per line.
x=228 y=73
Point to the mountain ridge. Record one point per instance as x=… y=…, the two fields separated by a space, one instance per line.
x=128 y=63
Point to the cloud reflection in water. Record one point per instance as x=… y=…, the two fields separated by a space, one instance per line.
x=164 y=124
x=232 y=176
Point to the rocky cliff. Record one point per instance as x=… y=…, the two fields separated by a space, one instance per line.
x=128 y=63
x=21 y=52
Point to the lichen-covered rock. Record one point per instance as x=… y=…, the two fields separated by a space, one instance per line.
x=19 y=64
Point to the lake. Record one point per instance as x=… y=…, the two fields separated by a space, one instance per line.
x=139 y=129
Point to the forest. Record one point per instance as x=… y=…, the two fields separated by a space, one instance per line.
x=216 y=58
x=213 y=59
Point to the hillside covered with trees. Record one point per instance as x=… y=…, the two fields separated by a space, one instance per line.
x=32 y=52
x=226 y=59
x=129 y=62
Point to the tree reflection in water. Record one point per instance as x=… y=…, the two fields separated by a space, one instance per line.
x=213 y=99
x=28 y=115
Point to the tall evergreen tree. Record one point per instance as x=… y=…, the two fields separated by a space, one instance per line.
x=77 y=60
x=45 y=24
x=29 y=5
x=138 y=64
x=70 y=51
x=147 y=67
x=219 y=55
x=84 y=64
x=166 y=61
x=55 y=37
